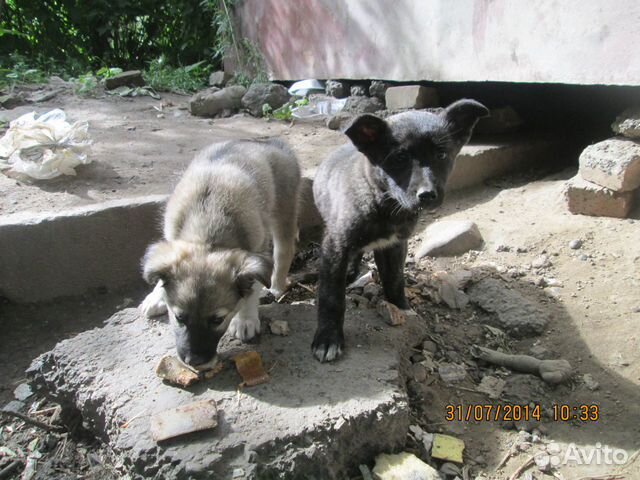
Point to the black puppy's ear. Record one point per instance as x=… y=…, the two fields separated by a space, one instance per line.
x=253 y=268
x=463 y=115
x=368 y=133
x=158 y=262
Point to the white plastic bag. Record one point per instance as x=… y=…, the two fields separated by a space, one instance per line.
x=44 y=147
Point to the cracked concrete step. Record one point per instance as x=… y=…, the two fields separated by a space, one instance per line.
x=311 y=421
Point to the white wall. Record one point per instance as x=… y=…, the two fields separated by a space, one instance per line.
x=553 y=41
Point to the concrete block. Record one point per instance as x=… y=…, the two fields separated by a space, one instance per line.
x=219 y=78
x=311 y=420
x=480 y=161
x=131 y=78
x=587 y=198
x=411 y=96
x=45 y=256
x=613 y=163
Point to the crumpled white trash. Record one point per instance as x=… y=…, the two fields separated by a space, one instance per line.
x=44 y=147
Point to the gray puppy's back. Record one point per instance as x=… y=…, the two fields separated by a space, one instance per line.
x=229 y=195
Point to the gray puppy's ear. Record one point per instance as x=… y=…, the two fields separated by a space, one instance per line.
x=158 y=262
x=462 y=116
x=368 y=133
x=253 y=268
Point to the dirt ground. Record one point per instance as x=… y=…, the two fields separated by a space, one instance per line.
x=593 y=300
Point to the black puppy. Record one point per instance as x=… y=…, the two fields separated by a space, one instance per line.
x=370 y=194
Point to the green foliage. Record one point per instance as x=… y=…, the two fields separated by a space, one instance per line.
x=115 y=32
x=163 y=77
x=85 y=84
x=16 y=71
x=108 y=72
x=285 y=112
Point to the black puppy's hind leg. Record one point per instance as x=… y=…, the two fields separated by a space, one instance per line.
x=390 y=262
x=328 y=341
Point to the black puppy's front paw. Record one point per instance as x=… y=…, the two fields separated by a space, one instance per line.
x=327 y=345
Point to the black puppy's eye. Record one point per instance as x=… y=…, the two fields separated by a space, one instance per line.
x=215 y=320
x=181 y=318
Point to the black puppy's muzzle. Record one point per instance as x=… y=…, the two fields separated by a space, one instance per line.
x=429 y=198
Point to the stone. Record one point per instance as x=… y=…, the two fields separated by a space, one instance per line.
x=311 y=420
x=15 y=406
x=337 y=121
x=371 y=290
x=378 y=89
x=452 y=372
x=513 y=312
x=587 y=198
x=446 y=447
x=492 y=386
x=628 y=123
x=260 y=94
x=613 y=163
x=575 y=244
x=590 y=382
x=22 y=392
x=500 y=120
x=430 y=346
x=411 y=96
x=450 y=469
x=403 y=466
x=542 y=261
x=359 y=105
x=448 y=238
x=279 y=327
x=418 y=372
x=359 y=90
x=336 y=88
x=219 y=78
x=13 y=100
x=131 y=78
x=213 y=101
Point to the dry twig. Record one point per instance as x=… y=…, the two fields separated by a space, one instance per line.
x=522 y=468
x=33 y=421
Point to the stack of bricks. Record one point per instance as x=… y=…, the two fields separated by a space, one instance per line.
x=609 y=174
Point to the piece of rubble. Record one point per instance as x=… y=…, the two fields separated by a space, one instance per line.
x=131 y=78
x=391 y=314
x=449 y=291
x=628 y=123
x=542 y=261
x=448 y=448
x=279 y=327
x=213 y=101
x=448 y=238
x=613 y=163
x=172 y=370
x=337 y=121
x=403 y=466
x=336 y=88
x=449 y=469
x=411 y=96
x=174 y=422
x=359 y=90
x=378 y=88
x=587 y=198
x=514 y=313
x=22 y=392
x=452 y=372
x=590 y=382
x=575 y=244
x=551 y=371
x=249 y=366
x=492 y=386
x=359 y=105
x=13 y=100
x=260 y=94
x=371 y=290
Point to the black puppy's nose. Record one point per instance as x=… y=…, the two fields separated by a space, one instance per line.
x=194 y=359
x=427 y=195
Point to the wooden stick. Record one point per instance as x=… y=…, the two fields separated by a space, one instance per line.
x=9 y=469
x=522 y=468
x=33 y=421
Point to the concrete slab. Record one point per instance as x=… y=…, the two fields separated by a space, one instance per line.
x=312 y=421
x=50 y=255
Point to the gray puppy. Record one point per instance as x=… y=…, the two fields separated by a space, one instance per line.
x=233 y=200
x=370 y=193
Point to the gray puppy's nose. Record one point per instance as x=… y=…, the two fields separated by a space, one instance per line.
x=425 y=194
